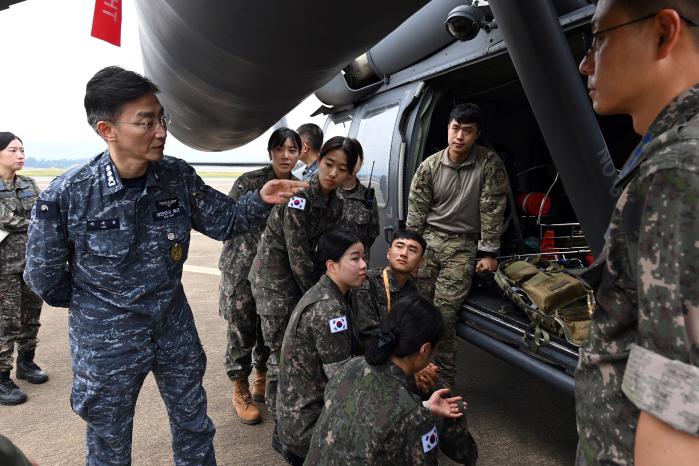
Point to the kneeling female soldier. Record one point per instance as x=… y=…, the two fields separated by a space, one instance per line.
x=317 y=340
x=372 y=417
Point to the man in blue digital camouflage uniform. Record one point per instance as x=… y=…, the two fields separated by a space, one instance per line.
x=108 y=240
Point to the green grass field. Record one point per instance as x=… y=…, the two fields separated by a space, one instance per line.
x=57 y=171
x=42 y=171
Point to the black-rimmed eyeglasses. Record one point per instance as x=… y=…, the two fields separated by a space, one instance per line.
x=165 y=119
x=591 y=40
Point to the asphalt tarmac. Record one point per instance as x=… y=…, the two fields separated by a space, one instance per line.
x=515 y=419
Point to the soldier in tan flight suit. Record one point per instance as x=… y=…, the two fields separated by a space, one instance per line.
x=457 y=202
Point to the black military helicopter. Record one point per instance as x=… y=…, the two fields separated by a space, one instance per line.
x=387 y=73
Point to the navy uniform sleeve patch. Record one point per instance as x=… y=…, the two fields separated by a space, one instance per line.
x=46 y=210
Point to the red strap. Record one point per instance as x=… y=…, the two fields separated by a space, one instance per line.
x=106 y=23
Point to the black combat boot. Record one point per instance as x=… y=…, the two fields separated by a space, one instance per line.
x=27 y=368
x=277 y=445
x=10 y=394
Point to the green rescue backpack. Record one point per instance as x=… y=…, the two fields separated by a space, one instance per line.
x=555 y=301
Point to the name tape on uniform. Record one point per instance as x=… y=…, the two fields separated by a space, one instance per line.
x=166 y=209
x=429 y=440
x=338 y=324
x=297 y=203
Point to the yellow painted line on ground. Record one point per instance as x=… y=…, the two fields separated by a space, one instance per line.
x=204 y=270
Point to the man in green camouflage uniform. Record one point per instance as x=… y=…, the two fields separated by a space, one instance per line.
x=309 y=155
x=384 y=286
x=457 y=202
x=246 y=345
x=638 y=376
x=20 y=308
x=369 y=303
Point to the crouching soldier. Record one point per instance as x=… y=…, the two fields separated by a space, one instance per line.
x=318 y=341
x=383 y=287
x=372 y=416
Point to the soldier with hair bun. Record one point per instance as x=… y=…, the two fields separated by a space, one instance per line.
x=371 y=415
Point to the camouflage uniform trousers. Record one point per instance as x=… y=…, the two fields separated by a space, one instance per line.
x=274 y=308
x=20 y=309
x=246 y=346
x=446 y=278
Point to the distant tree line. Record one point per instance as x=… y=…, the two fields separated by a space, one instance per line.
x=53 y=163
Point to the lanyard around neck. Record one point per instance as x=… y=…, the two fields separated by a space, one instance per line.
x=387 y=287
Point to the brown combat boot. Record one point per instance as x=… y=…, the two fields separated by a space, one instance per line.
x=242 y=402
x=258 y=386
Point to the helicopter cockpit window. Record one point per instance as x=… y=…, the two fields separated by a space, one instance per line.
x=376 y=136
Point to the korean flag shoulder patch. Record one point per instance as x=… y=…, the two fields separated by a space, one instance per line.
x=430 y=440
x=338 y=324
x=297 y=203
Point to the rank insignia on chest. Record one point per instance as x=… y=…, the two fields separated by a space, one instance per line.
x=176 y=252
x=110 y=176
x=103 y=224
x=429 y=440
x=338 y=324
x=297 y=203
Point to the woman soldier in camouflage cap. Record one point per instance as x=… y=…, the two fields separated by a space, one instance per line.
x=19 y=306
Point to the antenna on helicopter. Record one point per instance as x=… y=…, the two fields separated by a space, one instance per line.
x=370 y=197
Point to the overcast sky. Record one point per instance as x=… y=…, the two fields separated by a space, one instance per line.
x=48 y=56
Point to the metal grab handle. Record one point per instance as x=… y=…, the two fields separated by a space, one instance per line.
x=388 y=234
